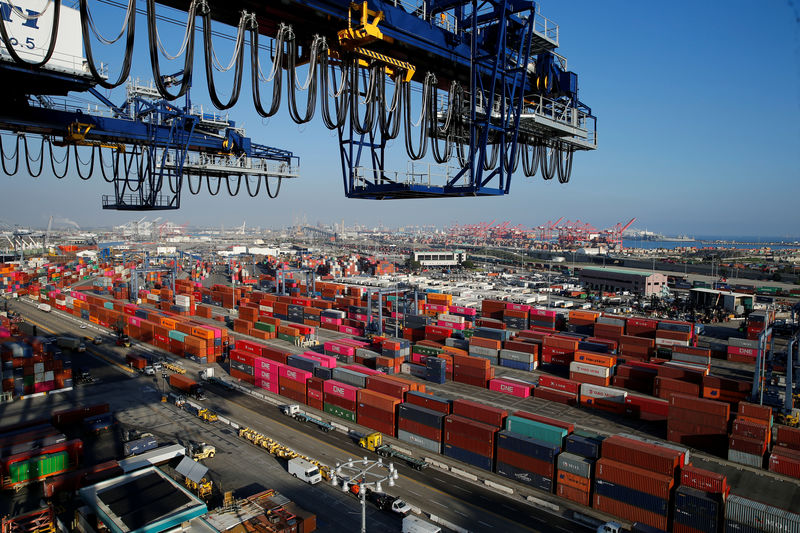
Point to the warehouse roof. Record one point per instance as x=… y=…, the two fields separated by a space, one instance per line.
x=619 y=270
x=144 y=501
x=722 y=292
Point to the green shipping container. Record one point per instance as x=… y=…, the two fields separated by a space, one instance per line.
x=467 y=333
x=426 y=350
x=287 y=338
x=335 y=410
x=177 y=335
x=265 y=327
x=38 y=467
x=108 y=305
x=537 y=430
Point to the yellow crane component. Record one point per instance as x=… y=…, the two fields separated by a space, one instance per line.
x=366 y=30
x=175 y=368
x=279 y=450
x=207 y=415
x=76 y=134
x=203 y=489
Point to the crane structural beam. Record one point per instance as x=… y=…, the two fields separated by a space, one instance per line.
x=491 y=88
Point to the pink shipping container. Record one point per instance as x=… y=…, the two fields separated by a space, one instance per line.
x=267 y=365
x=543 y=313
x=271 y=386
x=460 y=310
x=249 y=346
x=267 y=375
x=518 y=307
x=353 y=342
x=341 y=390
x=330 y=320
x=350 y=330
x=295 y=374
x=342 y=349
x=134 y=321
x=514 y=388
x=738 y=350
x=327 y=361
x=453 y=325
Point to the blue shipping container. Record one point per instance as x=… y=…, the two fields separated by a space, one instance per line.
x=735 y=527
x=444 y=402
x=639 y=499
x=421 y=415
x=323 y=373
x=523 y=476
x=543 y=451
x=468 y=457
x=518 y=365
x=583 y=446
x=303 y=363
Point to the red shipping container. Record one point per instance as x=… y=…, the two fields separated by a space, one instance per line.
x=429 y=403
x=375 y=412
x=526 y=462
x=464 y=426
x=761 y=412
x=566 y=385
x=712 y=407
x=313 y=394
x=658 y=485
x=419 y=429
x=486 y=414
x=705 y=480
x=642 y=455
x=378 y=424
x=676 y=385
x=387 y=386
x=743 y=428
x=546 y=420
x=638 y=405
x=787 y=436
x=574 y=494
x=747 y=445
x=569 y=344
x=566 y=398
x=591 y=380
x=340 y=402
x=520 y=346
x=629 y=512
x=467 y=443
x=241 y=375
x=785 y=461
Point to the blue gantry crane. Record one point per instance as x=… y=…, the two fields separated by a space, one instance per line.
x=475 y=86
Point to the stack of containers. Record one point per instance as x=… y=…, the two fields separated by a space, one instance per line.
x=608 y=327
x=435 y=370
x=641 y=327
x=345 y=353
x=422 y=426
x=351 y=377
x=470 y=432
x=315 y=393
x=493 y=309
x=526 y=460
x=571 y=484
x=603 y=398
x=377 y=411
x=582 y=321
x=674 y=333
x=520 y=355
x=292 y=383
x=636 y=348
x=785 y=456
x=243 y=365
x=699 y=501
x=636 y=377
x=558 y=390
x=472 y=370
x=698 y=423
x=634 y=480
x=743 y=350
x=485 y=348
x=516 y=315
x=751 y=433
x=267 y=374
x=558 y=350
x=340 y=399
x=592 y=368
x=542 y=318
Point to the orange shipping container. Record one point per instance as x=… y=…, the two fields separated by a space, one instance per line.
x=383 y=402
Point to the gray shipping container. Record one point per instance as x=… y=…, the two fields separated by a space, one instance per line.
x=521 y=357
x=426 y=444
x=461 y=344
x=691 y=358
x=761 y=517
x=756 y=461
x=743 y=343
x=366 y=354
x=348 y=376
x=575 y=464
x=483 y=352
x=611 y=321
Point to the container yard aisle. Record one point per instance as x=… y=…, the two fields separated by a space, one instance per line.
x=458 y=501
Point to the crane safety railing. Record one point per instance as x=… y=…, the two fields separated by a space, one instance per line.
x=427 y=174
x=202 y=163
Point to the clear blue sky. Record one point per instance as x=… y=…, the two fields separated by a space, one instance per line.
x=698 y=107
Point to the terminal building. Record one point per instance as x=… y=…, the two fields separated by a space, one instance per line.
x=440 y=257
x=623 y=279
x=732 y=302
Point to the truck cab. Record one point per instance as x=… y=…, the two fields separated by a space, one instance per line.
x=305 y=470
x=371 y=442
x=609 y=527
x=290 y=410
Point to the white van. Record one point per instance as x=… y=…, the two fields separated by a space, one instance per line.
x=414 y=524
x=305 y=470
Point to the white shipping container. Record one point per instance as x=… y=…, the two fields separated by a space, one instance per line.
x=605 y=393
x=451 y=318
x=590 y=370
x=670 y=342
x=182 y=300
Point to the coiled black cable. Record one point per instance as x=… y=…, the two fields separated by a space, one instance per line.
x=311 y=102
x=370 y=97
x=14 y=156
x=277 y=191
x=78 y=163
x=40 y=159
x=239 y=62
x=247 y=184
x=254 y=70
x=130 y=21
x=53 y=161
x=238 y=185
x=208 y=184
x=341 y=97
x=186 y=75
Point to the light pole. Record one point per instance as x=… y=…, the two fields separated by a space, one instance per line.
x=367 y=474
